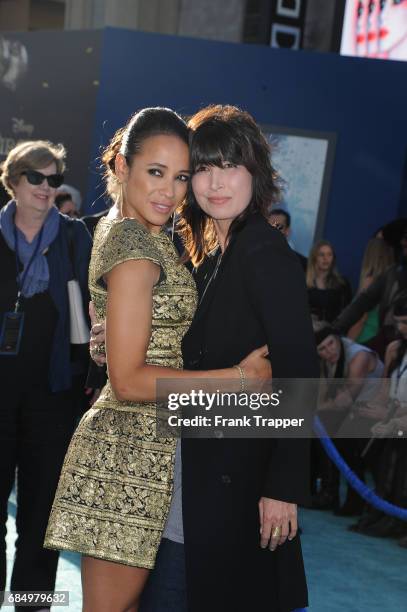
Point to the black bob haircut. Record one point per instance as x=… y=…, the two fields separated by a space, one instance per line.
x=221 y=134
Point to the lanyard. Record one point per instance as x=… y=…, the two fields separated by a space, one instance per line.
x=399 y=374
x=20 y=283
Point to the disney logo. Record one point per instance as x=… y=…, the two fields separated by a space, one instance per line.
x=20 y=127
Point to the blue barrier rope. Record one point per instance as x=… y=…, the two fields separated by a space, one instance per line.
x=368 y=494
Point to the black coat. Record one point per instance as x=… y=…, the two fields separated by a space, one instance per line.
x=258 y=297
x=326 y=304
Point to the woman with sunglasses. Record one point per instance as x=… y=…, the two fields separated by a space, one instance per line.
x=37 y=416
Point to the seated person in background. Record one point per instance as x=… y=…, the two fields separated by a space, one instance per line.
x=65 y=205
x=360 y=369
x=382 y=293
x=392 y=480
x=328 y=291
x=282 y=219
x=395 y=382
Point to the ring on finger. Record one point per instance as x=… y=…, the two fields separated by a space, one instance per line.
x=276 y=533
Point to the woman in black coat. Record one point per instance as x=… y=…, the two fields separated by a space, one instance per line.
x=252 y=292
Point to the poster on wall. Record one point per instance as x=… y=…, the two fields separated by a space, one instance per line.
x=375 y=28
x=304 y=161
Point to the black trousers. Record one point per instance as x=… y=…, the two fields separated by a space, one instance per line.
x=35 y=429
x=166 y=589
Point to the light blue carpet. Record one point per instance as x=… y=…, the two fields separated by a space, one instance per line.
x=346 y=572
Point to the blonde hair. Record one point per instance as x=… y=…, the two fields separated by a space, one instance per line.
x=334 y=279
x=378 y=256
x=30 y=155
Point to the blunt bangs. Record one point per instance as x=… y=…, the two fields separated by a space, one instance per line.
x=219 y=134
x=214 y=143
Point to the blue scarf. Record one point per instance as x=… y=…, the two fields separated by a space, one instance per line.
x=37 y=278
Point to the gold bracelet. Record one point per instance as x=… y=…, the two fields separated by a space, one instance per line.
x=242 y=378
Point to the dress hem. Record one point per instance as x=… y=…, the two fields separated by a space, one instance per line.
x=97 y=555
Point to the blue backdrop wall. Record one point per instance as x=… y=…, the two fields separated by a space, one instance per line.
x=363 y=101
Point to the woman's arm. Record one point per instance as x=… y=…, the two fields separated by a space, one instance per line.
x=390 y=356
x=365 y=301
x=356 y=329
x=128 y=332
x=347 y=292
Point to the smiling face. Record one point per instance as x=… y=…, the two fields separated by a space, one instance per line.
x=330 y=349
x=36 y=199
x=324 y=259
x=222 y=193
x=156 y=182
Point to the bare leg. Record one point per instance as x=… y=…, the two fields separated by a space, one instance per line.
x=111 y=587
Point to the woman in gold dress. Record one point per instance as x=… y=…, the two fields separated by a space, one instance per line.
x=116 y=484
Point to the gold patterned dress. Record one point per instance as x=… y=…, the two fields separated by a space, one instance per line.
x=115 y=488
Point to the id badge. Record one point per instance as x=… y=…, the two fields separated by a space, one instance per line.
x=11 y=333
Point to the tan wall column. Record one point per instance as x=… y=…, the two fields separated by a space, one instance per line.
x=213 y=19
x=149 y=15
x=14 y=15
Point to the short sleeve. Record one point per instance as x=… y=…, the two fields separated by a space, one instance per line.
x=122 y=241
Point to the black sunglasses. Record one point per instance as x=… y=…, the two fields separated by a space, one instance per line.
x=37 y=178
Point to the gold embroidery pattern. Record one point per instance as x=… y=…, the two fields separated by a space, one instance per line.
x=115 y=488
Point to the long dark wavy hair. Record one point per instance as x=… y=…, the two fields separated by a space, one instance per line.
x=399 y=310
x=221 y=134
